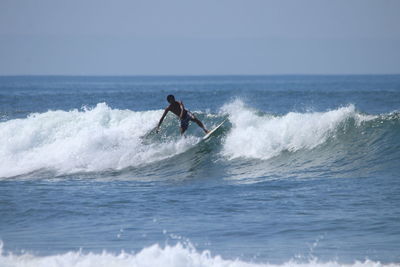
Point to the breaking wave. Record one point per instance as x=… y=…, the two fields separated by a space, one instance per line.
x=263 y=136
x=102 y=139
x=155 y=255
x=90 y=140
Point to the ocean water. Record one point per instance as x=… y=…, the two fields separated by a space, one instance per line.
x=304 y=172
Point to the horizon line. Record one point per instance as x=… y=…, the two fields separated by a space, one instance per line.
x=196 y=75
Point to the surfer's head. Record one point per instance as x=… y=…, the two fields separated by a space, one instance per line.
x=170 y=99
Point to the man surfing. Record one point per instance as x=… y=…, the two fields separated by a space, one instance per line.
x=184 y=115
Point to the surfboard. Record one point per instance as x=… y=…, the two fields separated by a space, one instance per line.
x=210 y=133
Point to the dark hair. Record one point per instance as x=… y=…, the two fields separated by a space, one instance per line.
x=170 y=98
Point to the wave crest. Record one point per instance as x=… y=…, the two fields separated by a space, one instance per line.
x=85 y=140
x=263 y=136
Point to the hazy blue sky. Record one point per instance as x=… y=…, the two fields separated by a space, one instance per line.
x=84 y=37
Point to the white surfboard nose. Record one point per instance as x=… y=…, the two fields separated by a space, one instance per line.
x=213 y=130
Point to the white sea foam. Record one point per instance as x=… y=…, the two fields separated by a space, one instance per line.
x=168 y=256
x=82 y=140
x=265 y=136
x=99 y=139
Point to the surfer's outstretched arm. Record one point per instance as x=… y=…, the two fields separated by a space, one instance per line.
x=162 y=118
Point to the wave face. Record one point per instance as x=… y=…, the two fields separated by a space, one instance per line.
x=91 y=140
x=169 y=256
x=340 y=142
x=104 y=139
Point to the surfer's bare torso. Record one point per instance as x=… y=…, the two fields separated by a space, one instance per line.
x=176 y=108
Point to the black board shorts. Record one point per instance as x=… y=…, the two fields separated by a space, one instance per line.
x=185 y=120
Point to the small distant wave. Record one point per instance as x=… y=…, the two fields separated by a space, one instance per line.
x=168 y=256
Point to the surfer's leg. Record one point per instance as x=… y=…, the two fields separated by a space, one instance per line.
x=183 y=130
x=201 y=125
